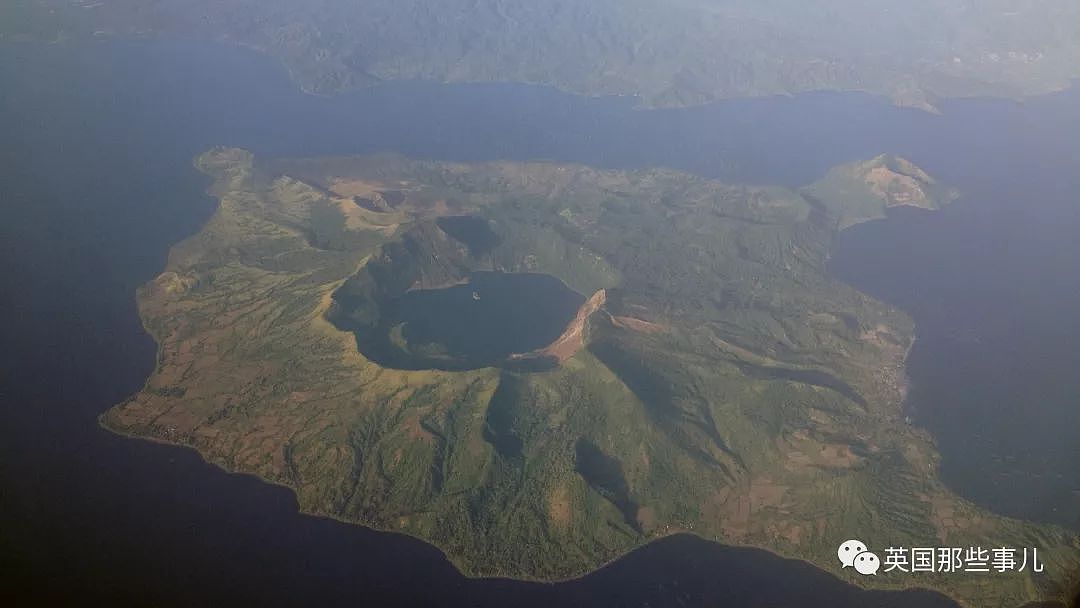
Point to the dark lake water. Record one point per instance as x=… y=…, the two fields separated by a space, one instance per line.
x=482 y=322
x=96 y=183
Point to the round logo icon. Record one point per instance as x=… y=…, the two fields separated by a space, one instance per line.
x=848 y=550
x=867 y=563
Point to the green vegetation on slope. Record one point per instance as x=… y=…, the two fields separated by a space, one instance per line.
x=863 y=191
x=727 y=387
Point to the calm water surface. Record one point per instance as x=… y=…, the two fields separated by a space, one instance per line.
x=96 y=183
x=492 y=316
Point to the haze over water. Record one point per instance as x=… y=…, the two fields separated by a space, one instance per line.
x=97 y=185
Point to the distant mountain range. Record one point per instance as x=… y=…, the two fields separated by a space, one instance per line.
x=667 y=52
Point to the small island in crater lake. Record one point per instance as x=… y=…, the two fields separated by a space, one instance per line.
x=540 y=367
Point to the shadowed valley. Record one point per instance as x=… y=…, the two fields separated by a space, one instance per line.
x=353 y=328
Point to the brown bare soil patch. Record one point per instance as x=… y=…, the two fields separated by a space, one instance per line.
x=640 y=325
x=350 y=187
x=646 y=518
x=897 y=189
x=802 y=452
x=735 y=508
x=559 y=508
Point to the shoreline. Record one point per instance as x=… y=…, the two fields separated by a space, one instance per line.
x=459 y=562
x=469 y=575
